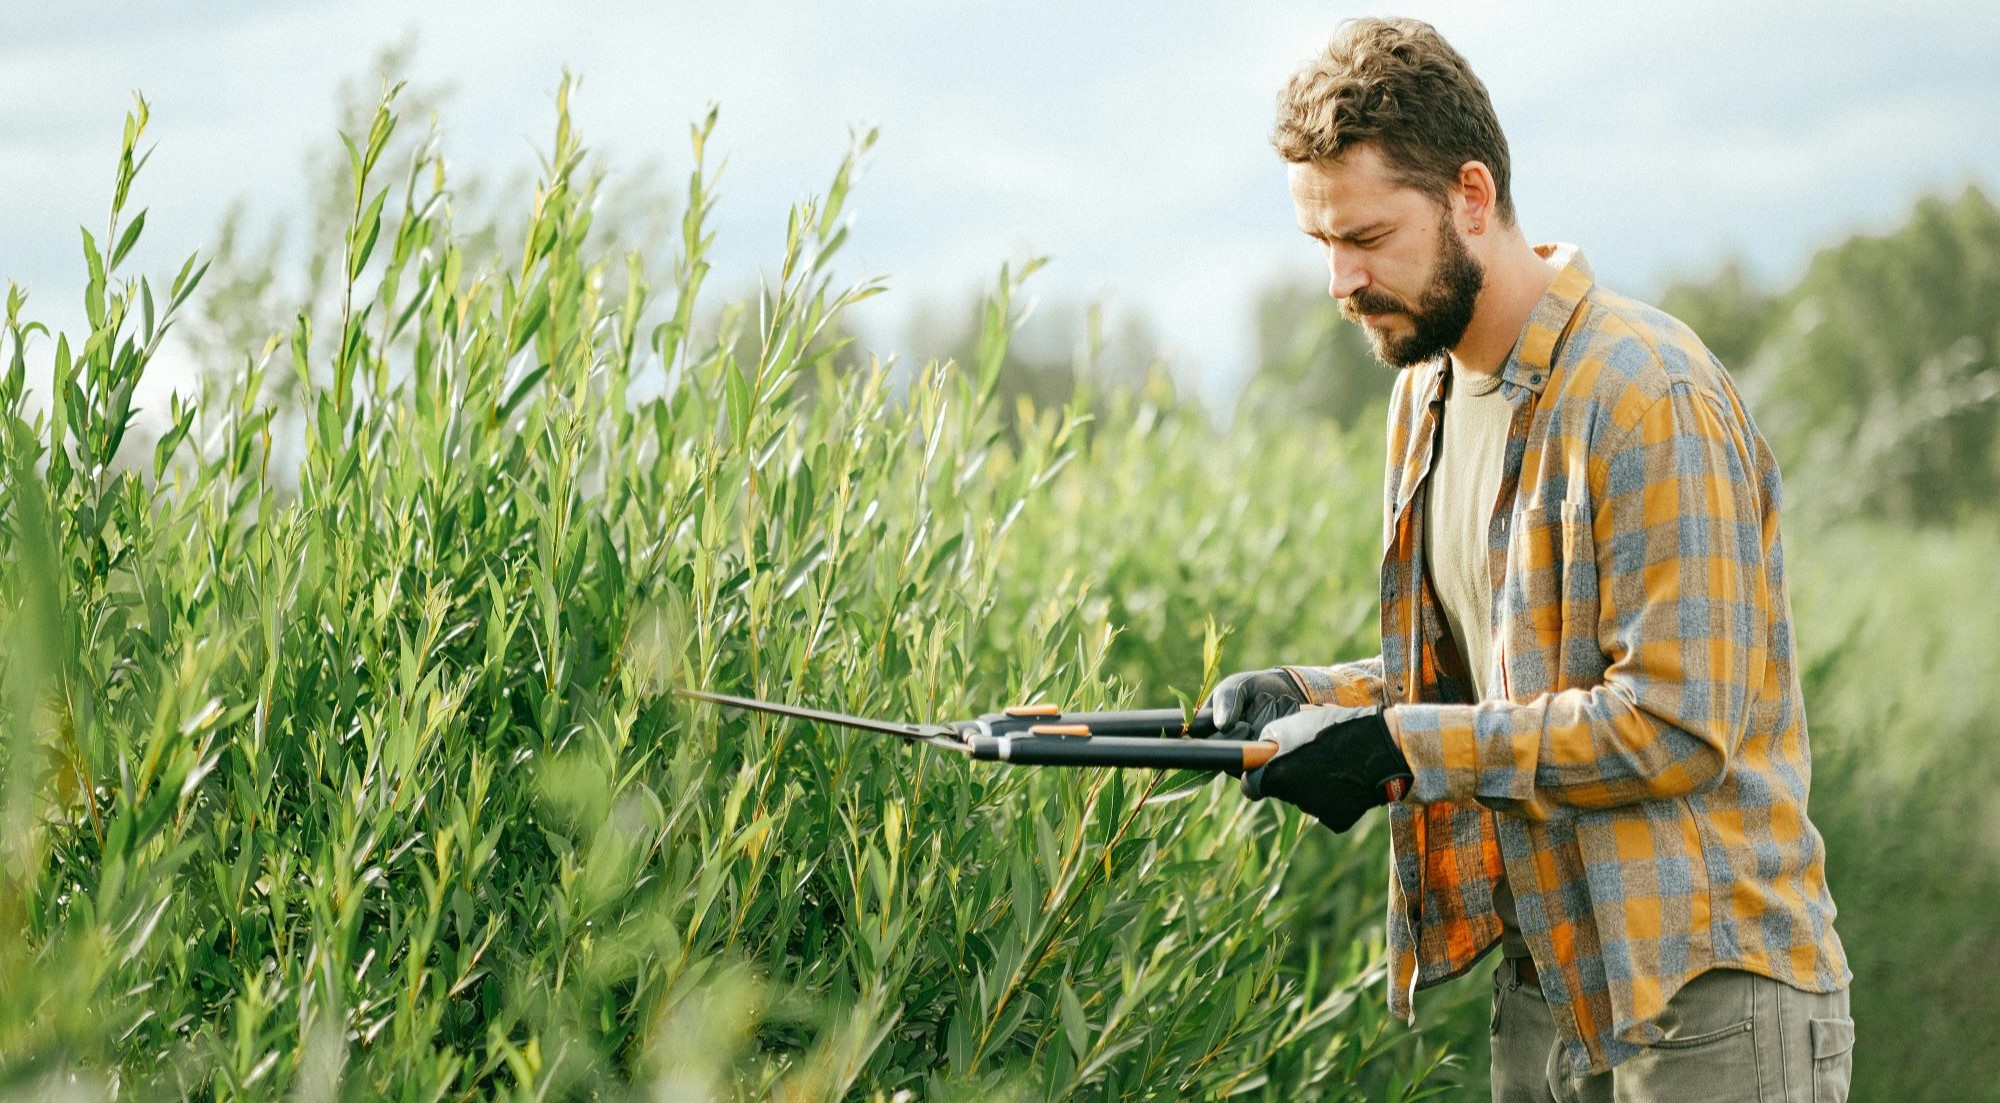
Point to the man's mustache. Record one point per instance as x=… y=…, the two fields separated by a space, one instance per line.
x=1367 y=302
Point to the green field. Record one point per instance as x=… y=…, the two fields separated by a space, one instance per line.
x=338 y=762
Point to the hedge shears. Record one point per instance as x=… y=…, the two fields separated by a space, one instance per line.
x=1044 y=735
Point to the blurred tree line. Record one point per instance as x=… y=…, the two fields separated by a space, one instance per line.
x=1063 y=352
x=1879 y=366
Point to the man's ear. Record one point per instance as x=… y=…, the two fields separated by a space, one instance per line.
x=1476 y=189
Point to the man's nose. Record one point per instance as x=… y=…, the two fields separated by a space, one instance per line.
x=1348 y=275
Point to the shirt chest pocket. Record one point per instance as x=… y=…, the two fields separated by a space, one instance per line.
x=1551 y=579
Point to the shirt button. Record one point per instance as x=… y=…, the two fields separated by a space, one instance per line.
x=1534 y=379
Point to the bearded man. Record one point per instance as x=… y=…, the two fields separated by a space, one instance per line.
x=1586 y=718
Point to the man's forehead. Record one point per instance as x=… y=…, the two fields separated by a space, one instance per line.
x=1341 y=198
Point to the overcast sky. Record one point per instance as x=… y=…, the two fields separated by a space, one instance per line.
x=1126 y=140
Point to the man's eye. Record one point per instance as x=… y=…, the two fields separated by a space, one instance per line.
x=1371 y=241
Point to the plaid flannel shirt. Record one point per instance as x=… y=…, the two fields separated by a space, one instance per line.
x=1640 y=766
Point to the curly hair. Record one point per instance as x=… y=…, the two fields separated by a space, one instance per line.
x=1395 y=83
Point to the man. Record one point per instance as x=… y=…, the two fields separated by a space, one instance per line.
x=1585 y=719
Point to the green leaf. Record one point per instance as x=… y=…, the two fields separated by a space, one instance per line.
x=529 y=320
x=94 y=288
x=361 y=239
x=128 y=239
x=519 y=394
x=353 y=164
x=736 y=391
x=1075 y=1027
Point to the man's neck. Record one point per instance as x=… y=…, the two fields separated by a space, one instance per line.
x=1516 y=279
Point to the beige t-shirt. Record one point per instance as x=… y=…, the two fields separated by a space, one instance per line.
x=1464 y=481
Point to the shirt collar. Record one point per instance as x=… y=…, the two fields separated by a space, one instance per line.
x=1533 y=358
x=1528 y=369
x=1531 y=363
x=1535 y=352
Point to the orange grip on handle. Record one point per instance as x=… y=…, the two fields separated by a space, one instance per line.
x=1258 y=753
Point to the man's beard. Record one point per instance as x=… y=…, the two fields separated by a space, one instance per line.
x=1441 y=315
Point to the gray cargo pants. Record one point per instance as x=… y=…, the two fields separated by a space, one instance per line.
x=1730 y=1036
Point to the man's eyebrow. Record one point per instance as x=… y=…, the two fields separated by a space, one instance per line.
x=1353 y=235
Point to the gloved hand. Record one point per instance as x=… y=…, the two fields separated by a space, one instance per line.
x=1253 y=698
x=1333 y=762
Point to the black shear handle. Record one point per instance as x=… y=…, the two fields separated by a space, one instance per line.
x=1143 y=752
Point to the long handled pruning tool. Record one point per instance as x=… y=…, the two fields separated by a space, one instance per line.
x=1044 y=735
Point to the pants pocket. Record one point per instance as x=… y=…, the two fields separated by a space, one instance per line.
x=1696 y=1041
x=1708 y=1045
x=1718 y=1004
x=1833 y=1059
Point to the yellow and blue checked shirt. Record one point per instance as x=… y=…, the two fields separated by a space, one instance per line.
x=1640 y=768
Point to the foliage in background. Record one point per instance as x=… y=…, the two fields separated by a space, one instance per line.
x=1062 y=354
x=1311 y=362
x=358 y=779
x=1880 y=369
x=1899 y=626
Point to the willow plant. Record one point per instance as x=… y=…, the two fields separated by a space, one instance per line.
x=339 y=762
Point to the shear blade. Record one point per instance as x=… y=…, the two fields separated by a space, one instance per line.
x=934 y=734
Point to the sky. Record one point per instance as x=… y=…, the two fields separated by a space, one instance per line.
x=1126 y=141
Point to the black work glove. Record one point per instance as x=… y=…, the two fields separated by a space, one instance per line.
x=1249 y=699
x=1333 y=762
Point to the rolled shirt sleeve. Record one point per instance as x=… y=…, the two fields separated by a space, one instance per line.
x=1356 y=684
